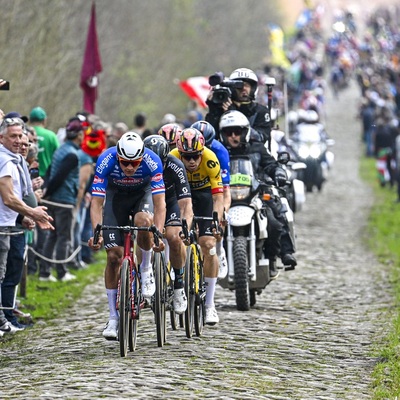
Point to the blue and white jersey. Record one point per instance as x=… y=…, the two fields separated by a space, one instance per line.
x=109 y=175
x=223 y=157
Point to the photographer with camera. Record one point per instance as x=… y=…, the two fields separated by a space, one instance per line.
x=238 y=92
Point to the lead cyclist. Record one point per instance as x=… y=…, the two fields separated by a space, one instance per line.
x=128 y=180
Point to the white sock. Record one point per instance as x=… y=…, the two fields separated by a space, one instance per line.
x=112 y=302
x=145 y=266
x=210 y=290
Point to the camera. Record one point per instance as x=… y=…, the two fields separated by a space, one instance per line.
x=222 y=87
x=5 y=85
x=34 y=172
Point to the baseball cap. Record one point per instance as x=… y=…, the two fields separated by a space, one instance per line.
x=37 y=114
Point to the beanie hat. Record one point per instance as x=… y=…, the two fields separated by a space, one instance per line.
x=37 y=114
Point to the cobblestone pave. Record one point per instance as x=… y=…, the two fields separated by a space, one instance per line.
x=310 y=335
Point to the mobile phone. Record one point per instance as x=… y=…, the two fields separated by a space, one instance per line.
x=5 y=86
x=34 y=172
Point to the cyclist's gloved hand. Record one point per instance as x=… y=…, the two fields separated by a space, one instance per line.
x=280 y=177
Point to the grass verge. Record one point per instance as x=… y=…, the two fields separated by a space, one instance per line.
x=46 y=300
x=384 y=241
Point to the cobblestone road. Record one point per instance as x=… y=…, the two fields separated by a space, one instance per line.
x=310 y=335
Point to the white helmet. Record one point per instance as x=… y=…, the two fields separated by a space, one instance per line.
x=246 y=75
x=130 y=146
x=234 y=120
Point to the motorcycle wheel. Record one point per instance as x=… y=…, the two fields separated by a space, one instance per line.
x=241 y=267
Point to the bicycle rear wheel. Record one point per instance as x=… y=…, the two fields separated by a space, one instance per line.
x=124 y=308
x=159 y=306
x=190 y=291
x=200 y=293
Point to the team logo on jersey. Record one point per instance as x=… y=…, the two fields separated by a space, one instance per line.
x=224 y=173
x=157 y=178
x=96 y=180
x=103 y=164
x=211 y=164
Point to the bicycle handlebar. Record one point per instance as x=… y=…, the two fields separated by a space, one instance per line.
x=127 y=228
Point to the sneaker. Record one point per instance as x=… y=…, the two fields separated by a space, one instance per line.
x=110 y=332
x=223 y=265
x=180 y=301
x=148 y=283
x=9 y=328
x=211 y=315
x=67 y=277
x=49 y=278
x=1 y=334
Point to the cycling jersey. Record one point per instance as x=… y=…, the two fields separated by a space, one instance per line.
x=207 y=175
x=223 y=157
x=175 y=179
x=109 y=175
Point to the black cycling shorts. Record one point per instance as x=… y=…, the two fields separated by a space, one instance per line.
x=203 y=207
x=118 y=207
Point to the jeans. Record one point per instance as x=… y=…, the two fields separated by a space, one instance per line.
x=58 y=241
x=4 y=248
x=14 y=269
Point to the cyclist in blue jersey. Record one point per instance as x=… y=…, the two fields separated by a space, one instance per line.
x=179 y=205
x=128 y=180
x=222 y=154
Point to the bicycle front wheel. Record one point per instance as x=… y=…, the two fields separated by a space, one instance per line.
x=135 y=310
x=200 y=292
x=159 y=306
x=190 y=291
x=124 y=308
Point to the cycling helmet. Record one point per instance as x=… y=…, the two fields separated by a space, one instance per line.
x=191 y=141
x=170 y=132
x=246 y=75
x=234 y=121
x=207 y=131
x=130 y=146
x=159 y=145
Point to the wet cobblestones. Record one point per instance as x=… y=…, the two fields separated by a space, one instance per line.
x=311 y=334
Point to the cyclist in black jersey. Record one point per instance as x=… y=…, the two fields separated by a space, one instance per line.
x=179 y=205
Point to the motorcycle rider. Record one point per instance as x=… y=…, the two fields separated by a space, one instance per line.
x=235 y=135
x=242 y=100
x=179 y=205
x=222 y=154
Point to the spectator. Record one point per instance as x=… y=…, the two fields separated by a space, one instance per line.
x=47 y=145
x=62 y=191
x=14 y=184
x=15 y=259
x=140 y=125
x=47 y=139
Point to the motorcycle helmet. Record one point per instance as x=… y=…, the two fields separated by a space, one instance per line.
x=159 y=145
x=130 y=146
x=207 y=131
x=234 y=121
x=191 y=141
x=246 y=75
x=170 y=132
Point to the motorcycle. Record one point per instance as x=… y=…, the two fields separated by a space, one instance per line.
x=249 y=272
x=313 y=150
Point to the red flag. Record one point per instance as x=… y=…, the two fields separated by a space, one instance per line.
x=91 y=66
x=197 y=88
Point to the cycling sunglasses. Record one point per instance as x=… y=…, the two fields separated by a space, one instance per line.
x=189 y=157
x=13 y=122
x=127 y=163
